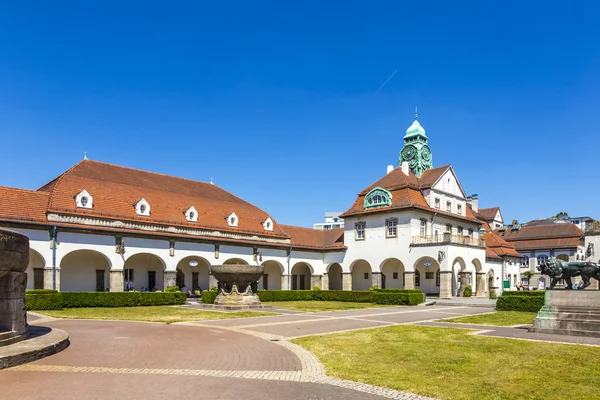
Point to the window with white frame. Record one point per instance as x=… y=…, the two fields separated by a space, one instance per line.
x=191 y=214
x=360 y=230
x=460 y=230
x=391 y=225
x=449 y=206
x=423 y=227
x=526 y=261
x=459 y=208
x=142 y=208
x=449 y=228
x=437 y=202
x=542 y=259
x=128 y=275
x=84 y=200
x=470 y=232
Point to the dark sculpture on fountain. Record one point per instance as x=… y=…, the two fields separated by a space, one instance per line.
x=14 y=257
x=558 y=269
x=237 y=284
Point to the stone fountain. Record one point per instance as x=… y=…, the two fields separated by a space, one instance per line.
x=237 y=285
x=14 y=257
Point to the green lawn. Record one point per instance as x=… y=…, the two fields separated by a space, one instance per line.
x=499 y=318
x=316 y=306
x=447 y=363
x=168 y=314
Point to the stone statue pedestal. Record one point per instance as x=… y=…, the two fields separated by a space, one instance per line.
x=14 y=257
x=235 y=298
x=569 y=312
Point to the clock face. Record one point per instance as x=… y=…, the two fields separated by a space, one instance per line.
x=408 y=153
x=426 y=153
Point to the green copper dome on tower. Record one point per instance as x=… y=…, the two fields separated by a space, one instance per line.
x=416 y=151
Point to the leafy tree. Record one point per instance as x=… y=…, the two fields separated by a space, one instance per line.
x=528 y=274
x=561 y=215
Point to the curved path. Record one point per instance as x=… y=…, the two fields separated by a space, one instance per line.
x=135 y=360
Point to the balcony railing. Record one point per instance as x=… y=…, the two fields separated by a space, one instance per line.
x=447 y=238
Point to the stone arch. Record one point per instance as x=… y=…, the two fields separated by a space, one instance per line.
x=361 y=273
x=272 y=275
x=426 y=269
x=35 y=270
x=458 y=266
x=235 y=261
x=84 y=271
x=301 y=276
x=335 y=276
x=193 y=273
x=392 y=274
x=144 y=270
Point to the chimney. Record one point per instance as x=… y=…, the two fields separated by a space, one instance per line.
x=405 y=168
x=473 y=201
x=390 y=168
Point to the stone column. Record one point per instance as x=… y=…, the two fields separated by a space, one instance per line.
x=285 y=282
x=346 y=281
x=117 y=283
x=315 y=280
x=480 y=282
x=325 y=282
x=170 y=279
x=212 y=282
x=445 y=284
x=376 y=279
x=409 y=280
x=48 y=278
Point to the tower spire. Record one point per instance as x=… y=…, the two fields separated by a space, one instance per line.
x=416 y=113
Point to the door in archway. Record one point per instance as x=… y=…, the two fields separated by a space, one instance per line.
x=99 y=280
x=266 y=281
x=151 y=280
x=180 y=279
x=38 y=278
x=383 y=281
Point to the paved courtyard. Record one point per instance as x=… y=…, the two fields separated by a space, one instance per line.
x=248 y=358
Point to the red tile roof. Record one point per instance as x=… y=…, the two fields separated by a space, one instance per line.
x=551 y=236
x=309 y=238
x=23 y=205
x=406 y=193
x=489 y=213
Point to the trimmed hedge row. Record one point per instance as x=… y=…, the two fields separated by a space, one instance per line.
x=40 y=291
x=398 y=298
x=380 y=296
x=530 y=293
x=57 y=301
x=526 y=303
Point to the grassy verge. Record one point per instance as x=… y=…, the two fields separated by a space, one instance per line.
x=449 y=364
x=166 y=314
x=317 y=306
x=499 y=318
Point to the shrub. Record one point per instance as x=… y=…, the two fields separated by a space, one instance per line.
x=286 y=295
x=468 y=291
x=316 y=288
x=358 y=296
x=172 y=289
x=519 y=303
x=56 y=301
x=209 y=296
x=40 y=291
x=43 y=301
x=529 y=293
x=398 y=297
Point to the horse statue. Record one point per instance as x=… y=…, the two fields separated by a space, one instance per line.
x=558 y=269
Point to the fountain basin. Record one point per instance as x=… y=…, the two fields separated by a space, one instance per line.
x=237 y=284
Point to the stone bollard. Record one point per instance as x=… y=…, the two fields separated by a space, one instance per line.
x=14 y=258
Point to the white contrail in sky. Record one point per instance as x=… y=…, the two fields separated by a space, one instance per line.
x=386 y=81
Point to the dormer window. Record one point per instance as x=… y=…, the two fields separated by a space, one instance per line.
x=268 y=224
x=191 y=214
x=378 y=197
x=84 y=200
x=437 y=202
x=459 y=208
x=142 y=208
x=232 y=220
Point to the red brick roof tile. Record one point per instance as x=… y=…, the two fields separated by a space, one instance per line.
x=23 y=205
x=314 y=238
x=489 y=213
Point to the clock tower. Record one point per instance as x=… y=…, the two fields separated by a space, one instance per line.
x=415 y=150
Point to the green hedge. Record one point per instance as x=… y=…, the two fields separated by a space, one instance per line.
x=49 y=301
x=209 y=296
x=56 y=301
x=40 y=291
x=533 y=293
x=519 y=303
x=408 y=298
x=357 y=296
x=287 y=295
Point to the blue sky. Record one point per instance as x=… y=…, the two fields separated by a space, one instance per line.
x=280 y=103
